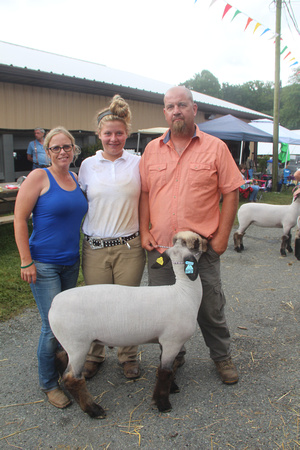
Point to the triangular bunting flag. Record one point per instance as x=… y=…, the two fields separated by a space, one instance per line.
x=266 y=30
x=227 y=8
x=282 y=51
x=235 y=14
x=287 y=55
x=256 y=26
x=248 y=22
x=213 y=1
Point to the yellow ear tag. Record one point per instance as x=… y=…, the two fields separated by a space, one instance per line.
x=160 y=260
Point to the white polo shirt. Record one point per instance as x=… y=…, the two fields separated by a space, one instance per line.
x=113 y=191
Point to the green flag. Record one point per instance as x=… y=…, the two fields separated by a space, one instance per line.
x=284 y=155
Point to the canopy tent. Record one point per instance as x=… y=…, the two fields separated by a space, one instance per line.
x=285 y=135
x=149 y=131
x=232 y=129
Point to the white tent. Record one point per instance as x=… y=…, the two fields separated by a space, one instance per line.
x=264 y=148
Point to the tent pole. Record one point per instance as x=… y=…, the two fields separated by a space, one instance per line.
x=241 y=152
x=138 y=142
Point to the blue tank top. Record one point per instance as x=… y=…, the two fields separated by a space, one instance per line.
x=56 y=219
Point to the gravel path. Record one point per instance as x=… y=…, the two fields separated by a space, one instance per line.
x=262 y=411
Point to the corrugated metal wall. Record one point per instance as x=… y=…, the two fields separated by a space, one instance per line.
x=24 y=107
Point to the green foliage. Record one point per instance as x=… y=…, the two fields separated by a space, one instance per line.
x=90 y=150
x=15 y=293
x=255 y=95
x=206 y=83
x=262 y=163
x=290 y=107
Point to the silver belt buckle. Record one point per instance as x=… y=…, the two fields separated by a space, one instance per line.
x=95 y=247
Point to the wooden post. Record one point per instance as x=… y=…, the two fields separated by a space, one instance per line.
x=276 y=97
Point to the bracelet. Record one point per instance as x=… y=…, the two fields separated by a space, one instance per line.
x=25 y=267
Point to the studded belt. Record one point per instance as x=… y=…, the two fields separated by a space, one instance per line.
x=96 y=243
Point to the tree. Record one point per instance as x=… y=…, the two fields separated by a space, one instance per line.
x=290 y=107
x=206 y=83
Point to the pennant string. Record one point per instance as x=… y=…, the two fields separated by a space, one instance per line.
x=258 y=24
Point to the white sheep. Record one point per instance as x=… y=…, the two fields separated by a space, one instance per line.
x=124 y=316
x=269 y=216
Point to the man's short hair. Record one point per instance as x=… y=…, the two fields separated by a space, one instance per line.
x=40 y=129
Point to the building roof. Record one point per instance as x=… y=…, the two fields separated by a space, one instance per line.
x=25 y=65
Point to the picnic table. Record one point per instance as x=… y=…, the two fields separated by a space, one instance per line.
x=8 y=195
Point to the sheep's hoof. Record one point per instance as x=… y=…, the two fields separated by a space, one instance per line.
x=282 y=252
x=163 y=405
x=95 y=411
x=289 y=249
x=237 y=249
x=242 y=247
x=174 y=389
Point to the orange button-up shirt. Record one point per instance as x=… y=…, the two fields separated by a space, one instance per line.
x=184 y=191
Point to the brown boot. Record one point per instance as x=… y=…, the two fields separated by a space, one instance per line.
x=90 y=368
x=227 y=371
x=131 y=369
x=58 y=398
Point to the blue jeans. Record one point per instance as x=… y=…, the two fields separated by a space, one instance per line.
x=51 y=279
x=253 y=194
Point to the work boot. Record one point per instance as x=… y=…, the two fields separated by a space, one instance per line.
x=227 y=371
x=90 y=368
x=58 y=398
x=131 y=370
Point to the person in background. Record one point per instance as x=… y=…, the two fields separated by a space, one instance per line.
x=249 y=183
x=36 y=152
x=112 y=252
x=50 y=258
x=250 y=166
x=183 y=173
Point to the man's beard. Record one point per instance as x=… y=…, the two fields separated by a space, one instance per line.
x=179 y=127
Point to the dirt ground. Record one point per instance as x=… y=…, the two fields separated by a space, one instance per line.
x=262 y=411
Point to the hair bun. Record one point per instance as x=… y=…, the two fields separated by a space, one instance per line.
x=120 y=108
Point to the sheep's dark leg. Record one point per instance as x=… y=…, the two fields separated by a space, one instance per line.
x=238 y=241
x=284 y=240
x=61 y=361
x=288 y=243
x=77 y=388
x=162 y=389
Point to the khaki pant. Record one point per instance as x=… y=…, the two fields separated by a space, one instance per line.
x=211 y=316
x=113 y=265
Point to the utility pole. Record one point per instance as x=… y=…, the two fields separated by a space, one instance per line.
x=276 y=97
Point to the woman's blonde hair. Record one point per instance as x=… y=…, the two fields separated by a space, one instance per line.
x=117 y=110
x=63 y=130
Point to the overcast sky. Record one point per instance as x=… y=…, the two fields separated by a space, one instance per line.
x=167 y=40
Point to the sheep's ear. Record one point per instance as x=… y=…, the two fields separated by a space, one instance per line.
x=161 y=261
x=191 y=268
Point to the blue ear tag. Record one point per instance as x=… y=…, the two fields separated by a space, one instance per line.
x=189 y=267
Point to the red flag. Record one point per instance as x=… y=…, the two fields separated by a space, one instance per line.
x=227 y=8
x=248 y=22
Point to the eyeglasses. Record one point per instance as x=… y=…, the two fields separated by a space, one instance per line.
x=57 y=148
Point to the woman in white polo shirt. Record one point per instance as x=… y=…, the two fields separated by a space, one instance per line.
x=112 y=252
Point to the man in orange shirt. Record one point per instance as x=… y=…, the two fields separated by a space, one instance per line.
x=183 y=174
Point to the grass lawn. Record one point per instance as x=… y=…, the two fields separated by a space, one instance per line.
x=16 y=294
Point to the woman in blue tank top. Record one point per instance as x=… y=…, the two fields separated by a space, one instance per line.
x=50 y=258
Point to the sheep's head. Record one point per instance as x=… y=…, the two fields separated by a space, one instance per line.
x=191 y=240
x=186 y=250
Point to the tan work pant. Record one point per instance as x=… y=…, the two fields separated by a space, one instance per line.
x=113 y=265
